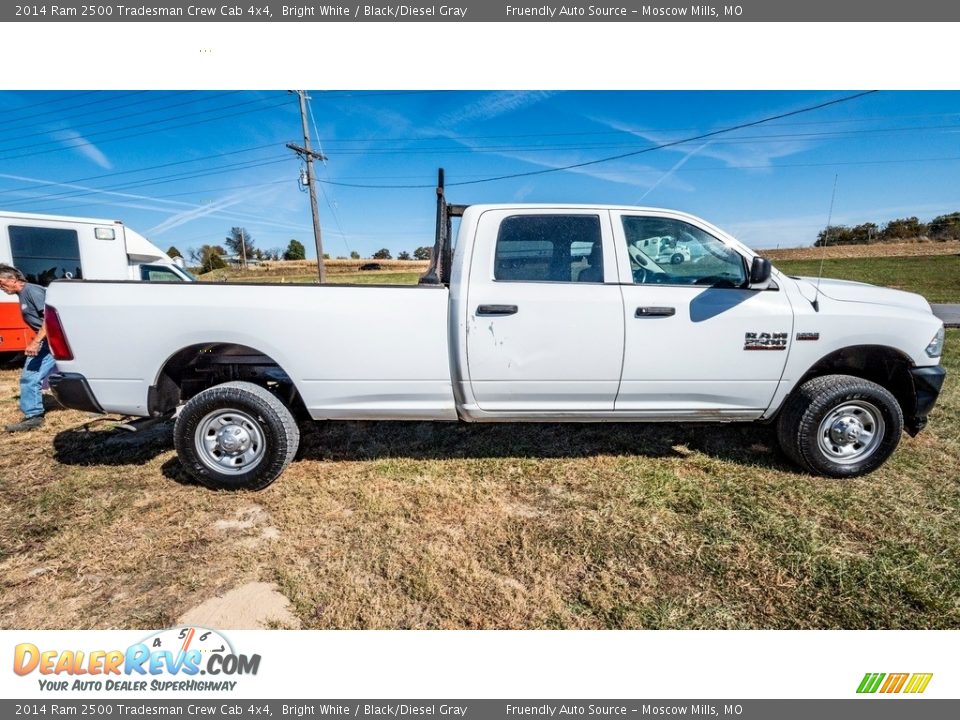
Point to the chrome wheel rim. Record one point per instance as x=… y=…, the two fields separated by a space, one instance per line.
x=230 y=441
x=851 y=432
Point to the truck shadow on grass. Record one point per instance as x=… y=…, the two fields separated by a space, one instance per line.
x=114 y=447
x=753 y=445
x=344 y=441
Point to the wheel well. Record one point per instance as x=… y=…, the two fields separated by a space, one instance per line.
x=195 y=368
x=885 y=366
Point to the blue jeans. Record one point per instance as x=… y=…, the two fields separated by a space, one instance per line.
x=35 y=370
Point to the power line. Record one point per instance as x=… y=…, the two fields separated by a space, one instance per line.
x=326 y=198
x=125 y=117
x=146 y=124
x=147 y=132
x=633 y=132
x=661 y=146
x=747 y=139
x=153 y=181
x=69 y=107
x=142 y=169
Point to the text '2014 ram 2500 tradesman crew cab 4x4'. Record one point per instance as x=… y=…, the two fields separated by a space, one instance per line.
x=547 y=313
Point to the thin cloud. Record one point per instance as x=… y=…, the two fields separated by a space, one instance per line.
x=196 y=213
x=76 y=141
x=728 y=149
x=624 y=172
x=85 y=188
x=492 y=106
x=677 y=165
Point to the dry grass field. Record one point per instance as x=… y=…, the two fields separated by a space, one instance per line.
x=837 y=252
x=428 y=525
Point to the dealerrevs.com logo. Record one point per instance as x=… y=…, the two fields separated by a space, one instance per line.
x=911 y=683
x=168 y=660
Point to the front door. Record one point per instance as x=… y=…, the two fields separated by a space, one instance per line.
x=698 y=340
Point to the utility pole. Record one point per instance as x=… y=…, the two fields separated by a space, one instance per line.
x=307 y=154
x=243 y=248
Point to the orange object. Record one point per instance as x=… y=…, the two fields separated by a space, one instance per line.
x=15 y=334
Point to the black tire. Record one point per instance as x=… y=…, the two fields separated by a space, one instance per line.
x=840 y=426
x=676 y=259
x=236 y=436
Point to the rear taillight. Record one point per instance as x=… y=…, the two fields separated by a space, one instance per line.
x=55 y=335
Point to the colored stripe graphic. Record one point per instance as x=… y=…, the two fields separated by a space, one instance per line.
x=870 y=682
x=894 y=683
x=918 y=683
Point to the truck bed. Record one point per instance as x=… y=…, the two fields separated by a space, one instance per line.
x=353 y=352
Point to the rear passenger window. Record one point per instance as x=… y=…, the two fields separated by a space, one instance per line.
x=45 y=254
x=549 y=248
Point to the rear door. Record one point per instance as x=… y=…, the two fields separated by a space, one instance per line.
x=545 y=314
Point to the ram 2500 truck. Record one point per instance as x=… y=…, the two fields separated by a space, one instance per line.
x=546 y=313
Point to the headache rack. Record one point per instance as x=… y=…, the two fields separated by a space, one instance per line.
x=440 y=259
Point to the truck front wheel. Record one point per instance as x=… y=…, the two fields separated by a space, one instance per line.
x=840 y=426
x=236 y=436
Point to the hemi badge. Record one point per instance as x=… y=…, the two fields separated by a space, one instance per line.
x=808 y=336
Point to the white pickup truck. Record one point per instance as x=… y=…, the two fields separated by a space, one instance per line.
x=540 y=313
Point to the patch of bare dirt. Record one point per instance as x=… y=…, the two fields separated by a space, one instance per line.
x=253 y=606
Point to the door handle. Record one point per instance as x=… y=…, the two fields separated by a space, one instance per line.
x=655 y=312
x=497 y=310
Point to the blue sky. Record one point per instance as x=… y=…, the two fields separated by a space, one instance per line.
x=183 y=167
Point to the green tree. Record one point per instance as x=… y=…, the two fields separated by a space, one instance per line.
x=210 y=258
x=295 y=251
x=422 y=253
x=843 y=235
x=240 y=242
x=404 y=255
x=354 y=255
x=946 y=227
x=382 y=254
x=903 y=228
x=173 y=252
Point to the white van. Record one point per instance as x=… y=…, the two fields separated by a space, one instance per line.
x=52 y=247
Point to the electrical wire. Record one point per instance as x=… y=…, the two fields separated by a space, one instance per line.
x=126 y=116
x=147 y=132
x=661 y=146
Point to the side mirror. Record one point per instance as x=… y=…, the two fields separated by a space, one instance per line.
x=760 y=273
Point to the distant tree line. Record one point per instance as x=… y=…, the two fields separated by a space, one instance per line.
x=940 y=229
x=239 y=243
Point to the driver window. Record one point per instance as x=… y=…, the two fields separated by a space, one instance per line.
x=665 y=251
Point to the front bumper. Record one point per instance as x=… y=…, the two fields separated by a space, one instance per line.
x=73 y=391
x=927 y=383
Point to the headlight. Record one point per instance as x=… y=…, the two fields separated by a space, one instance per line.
x=935 y=348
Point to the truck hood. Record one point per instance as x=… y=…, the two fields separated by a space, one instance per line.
x=848 y=291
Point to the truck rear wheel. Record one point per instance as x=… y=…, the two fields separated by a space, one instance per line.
x=236 y=436
x=840 y=426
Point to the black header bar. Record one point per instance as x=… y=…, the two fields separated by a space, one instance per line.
x=486 y=11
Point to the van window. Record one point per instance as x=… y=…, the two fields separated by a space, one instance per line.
x=549 y=248
x=45 y=254
x=159 y=273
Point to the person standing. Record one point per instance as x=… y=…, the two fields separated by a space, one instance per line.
x=39 y=361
